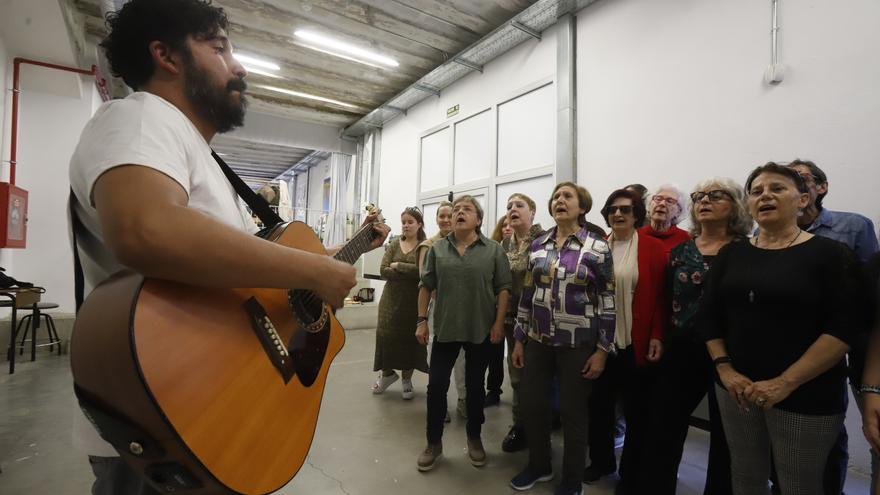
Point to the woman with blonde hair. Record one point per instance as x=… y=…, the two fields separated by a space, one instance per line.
x=718 y=216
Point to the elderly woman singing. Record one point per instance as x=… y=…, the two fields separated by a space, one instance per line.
x=667 y=207
x=565 y=327
x=778 y=316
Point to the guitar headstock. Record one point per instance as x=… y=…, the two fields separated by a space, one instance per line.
x=372 y=209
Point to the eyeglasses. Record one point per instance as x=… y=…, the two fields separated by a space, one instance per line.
x=624 y=210
x=714 y=196
x=664 y=199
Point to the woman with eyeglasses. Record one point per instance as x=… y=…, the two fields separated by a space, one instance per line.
x=641 y=303
x=396 y=346
x=778 y=316
x=564 y=328
x=666 y=209
x=718 y=216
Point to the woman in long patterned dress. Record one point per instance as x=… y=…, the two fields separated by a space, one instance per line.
x=396 y=346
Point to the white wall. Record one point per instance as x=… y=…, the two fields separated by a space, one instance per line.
x=49 y=129
x=528 y=63
x=673 y=91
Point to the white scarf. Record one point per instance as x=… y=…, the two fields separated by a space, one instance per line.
x=626 y=276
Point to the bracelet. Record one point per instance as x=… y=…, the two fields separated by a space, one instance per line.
x=870 y=389
x=721 y=360
x=421 y=319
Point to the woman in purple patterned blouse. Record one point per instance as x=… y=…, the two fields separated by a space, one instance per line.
x=565 y=325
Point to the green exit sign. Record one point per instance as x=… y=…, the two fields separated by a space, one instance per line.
x=451 y=111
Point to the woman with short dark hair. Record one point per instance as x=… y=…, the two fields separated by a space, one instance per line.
x=640 y=300
x=778 y=317
x=469 y=277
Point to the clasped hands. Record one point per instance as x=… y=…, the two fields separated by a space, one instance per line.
x=764 y=394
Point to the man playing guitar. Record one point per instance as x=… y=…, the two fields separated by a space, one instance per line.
x=149 y=194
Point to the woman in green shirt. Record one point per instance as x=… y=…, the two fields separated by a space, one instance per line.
x=470 y=277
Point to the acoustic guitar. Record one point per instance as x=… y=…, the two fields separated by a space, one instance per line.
x=208 y=391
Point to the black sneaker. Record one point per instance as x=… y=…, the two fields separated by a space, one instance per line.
x=527 y=479
x=565 y=489
x=492 y=399
x=515 y=439
x=556 y=424
x=593 y=473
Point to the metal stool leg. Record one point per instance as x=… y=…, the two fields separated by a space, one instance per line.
x=54 y=339
x=12 y=335
x=25 y=322
x=35 y=325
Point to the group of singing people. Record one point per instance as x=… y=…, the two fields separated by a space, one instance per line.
x=768 y=321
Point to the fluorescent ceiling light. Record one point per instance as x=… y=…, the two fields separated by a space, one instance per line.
x=340 y=46
x=346 y=57
x=306 y=95
x=256 y=62
x=254 y=70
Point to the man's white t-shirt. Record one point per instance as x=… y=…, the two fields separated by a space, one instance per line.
x=142 y=129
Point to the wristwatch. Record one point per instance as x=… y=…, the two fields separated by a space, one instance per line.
x=421 y=319
x=722 y=360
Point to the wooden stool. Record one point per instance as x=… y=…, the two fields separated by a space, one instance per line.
x=32 y=326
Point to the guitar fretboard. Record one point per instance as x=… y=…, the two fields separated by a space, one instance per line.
x=357 y=246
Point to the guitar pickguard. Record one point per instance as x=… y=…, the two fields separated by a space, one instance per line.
x=308 y=346
x=308 y=350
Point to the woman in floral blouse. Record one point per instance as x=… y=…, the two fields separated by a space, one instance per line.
x=718 y=216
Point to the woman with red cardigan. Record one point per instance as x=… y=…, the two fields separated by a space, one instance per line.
x=640 y=302
x=667 y=207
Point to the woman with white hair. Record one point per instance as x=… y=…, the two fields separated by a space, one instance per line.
x=666 y=209
x=718 y=215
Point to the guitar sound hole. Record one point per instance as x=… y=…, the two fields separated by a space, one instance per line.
x=308 y=309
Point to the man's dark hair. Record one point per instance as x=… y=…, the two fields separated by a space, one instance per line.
x=140 y=22
x=819 y=177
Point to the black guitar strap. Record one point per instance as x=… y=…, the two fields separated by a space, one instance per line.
x=257 y=203
x=78 y=279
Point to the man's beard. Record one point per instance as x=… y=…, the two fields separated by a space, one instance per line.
x=215 y=104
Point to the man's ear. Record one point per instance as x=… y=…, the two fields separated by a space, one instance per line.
x=164 y=58
x=822 y=188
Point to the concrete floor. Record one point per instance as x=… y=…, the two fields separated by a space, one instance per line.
x=365 y=444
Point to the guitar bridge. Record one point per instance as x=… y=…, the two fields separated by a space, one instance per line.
x=270 y=340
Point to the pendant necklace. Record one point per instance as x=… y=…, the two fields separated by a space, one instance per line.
x=800 y=231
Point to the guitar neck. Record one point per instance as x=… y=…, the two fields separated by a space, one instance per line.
x=358 y=245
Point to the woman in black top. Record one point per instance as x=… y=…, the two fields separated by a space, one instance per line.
x=718 y=216
x=777 y=317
